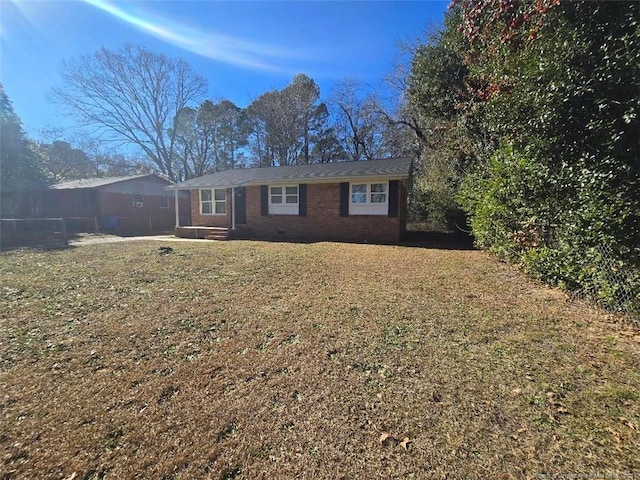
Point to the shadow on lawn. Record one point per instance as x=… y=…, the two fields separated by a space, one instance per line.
x=36 y=246
x=41 y=243
x=439 y=240
x=430 y=240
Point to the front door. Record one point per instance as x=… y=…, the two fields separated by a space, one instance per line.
x=240 y=201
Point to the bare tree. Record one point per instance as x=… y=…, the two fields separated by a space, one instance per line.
x=309 y=119
x=210 y=138
x=107 y=162
x=132 y=95
x=369 y=126
x=358 y=121
x=286 y=124
x=270 y=142
x=61 y=161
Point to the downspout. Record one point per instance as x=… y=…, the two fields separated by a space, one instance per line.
x=233 y=208
x=177 y=208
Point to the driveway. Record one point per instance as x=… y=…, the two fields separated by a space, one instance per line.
x=93 y=240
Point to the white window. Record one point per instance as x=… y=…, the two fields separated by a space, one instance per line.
x=283 y=200
x=369 y=198
x=138 y=200
x=213 y=201
x=164 y=202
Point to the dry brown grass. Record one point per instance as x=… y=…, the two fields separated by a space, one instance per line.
x=257 y=360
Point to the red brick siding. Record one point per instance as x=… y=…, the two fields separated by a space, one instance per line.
x=150 y=218
x=69 y=203
x=323 y=220
x=200 y=220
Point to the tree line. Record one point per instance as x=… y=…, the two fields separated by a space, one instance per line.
x=156 y=105
x=528 y=117
x=53 y=158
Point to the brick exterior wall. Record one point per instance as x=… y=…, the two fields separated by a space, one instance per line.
x=113 y=211
x=150 y=218
x=209 y=220
x=322 y=222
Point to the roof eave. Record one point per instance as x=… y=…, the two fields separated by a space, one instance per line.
x=347 y=178
x=285 y=181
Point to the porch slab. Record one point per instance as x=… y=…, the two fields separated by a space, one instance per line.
x=210 y=233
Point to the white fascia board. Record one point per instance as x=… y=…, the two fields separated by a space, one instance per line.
x=361 y=179
x=201 y=187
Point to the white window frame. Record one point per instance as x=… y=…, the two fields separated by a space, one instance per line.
x=166 y=199
x=137 y=203
x=368 y=207
x=284 y=208
x=213 y=202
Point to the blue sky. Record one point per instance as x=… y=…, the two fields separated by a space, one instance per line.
x=242 y=48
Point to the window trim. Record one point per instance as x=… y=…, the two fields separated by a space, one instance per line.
x=213 y=201
x=368 y=207
x=167 y=200
x=284 y=208
x=137 y=203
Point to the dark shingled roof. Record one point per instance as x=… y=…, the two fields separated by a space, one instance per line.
x=396 y=168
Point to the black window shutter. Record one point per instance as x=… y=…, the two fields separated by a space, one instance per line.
x=264 y=200
x=393 y=198
x=344 y=199
x=302 y=199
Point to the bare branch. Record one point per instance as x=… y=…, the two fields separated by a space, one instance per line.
x=132 y=95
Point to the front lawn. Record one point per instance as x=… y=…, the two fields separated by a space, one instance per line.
x=254 y=360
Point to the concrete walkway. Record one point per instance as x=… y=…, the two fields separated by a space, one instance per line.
x=115 y=239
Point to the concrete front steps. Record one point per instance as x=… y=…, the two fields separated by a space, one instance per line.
x=208 y=233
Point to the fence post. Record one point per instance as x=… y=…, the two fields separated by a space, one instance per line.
x=95 y=222
x=64 y=230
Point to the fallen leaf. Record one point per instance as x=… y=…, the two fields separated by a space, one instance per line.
x=522 y=430
x=615 y=435
x=384 y=436
x=628 y=423
x=405 y=442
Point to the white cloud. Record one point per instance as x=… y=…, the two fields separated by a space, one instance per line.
x=208 y=44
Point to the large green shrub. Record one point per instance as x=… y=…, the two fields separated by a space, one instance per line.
x=517 y=211
x=562 y=195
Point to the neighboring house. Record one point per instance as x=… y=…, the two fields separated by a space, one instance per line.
x=133 y=204
x=347 y=201
x=21 y=199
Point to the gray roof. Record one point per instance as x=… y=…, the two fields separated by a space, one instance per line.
x=97 y=182
x=395 y=168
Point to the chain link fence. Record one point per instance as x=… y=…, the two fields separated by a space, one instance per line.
x=609 y=285
x=605 y=280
